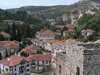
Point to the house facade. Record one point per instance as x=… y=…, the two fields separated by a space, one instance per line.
x=68 y=26
x=16 y=64
x=29 y=50
x=40 y=61
x=6 y=35
x=11 y=22
x=68 y=32
x=18 y=22
x=87 y=32
x=48 y=34
x=7 y=47
x=48 y=45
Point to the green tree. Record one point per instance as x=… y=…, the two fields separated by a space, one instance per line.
x=13 y=32
x=2 y=37
x=45 y=28
x=93 y=26
x=18 y=35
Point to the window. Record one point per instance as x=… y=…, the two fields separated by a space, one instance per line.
x=15 y=69
x=43 y=62
x=27 y=65
x=60 y=69
x=27 y=70
x=46 y=62
x=78 y=71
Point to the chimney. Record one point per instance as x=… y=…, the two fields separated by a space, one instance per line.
x=19 y=54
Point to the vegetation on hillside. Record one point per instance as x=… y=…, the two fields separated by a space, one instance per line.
x=90 y=22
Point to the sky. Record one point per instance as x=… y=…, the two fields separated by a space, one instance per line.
x=7 y=4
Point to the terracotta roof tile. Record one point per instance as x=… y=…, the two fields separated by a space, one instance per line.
x=69 y=26
x=70 y=30
x=30 y=50
x=13 y=60
x=47 y=32
x=60 y=26
x=5 y=34
x=8 y=20
x=40 y=57
x=88 y=30
x=18 y=21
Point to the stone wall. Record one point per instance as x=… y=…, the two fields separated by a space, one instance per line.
x=74 y=56
x=61 y=61
x=91 y=62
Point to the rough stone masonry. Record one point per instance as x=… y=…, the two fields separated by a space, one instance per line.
x=81 y=59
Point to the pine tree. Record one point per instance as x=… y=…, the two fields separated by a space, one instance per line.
x=13 y=32
x=18 y=35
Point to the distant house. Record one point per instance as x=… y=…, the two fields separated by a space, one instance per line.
x=11 y=22
x=48 y=34
x=6 y=35
x=7 y=47
x=60 y=27
x=39 y=42
x=60 y=46
x=40 y=61
x=68 y=32
x=18 y=22
x=87 y=32
x=16 y=64
x=69 y=26
x=48 y=46
x=29 y=50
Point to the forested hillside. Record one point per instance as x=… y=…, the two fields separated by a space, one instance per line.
x=89 y=21
x=20 y=32
x=62 y=14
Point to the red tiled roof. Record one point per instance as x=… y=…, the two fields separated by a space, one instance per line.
x=13 y=60
x=64 y=41
x=18 y=21
x=69 y=26
x=5 y=34
x=2 y=46
x=30 y=50
x=88 y=30
x=70 y=30
x=47 y=32
x=8 y=20
x=37 y=33
x=5 y=42
x=60 y=26
x=14 y=46
x=40 y=57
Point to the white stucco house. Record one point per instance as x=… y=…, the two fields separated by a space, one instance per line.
x=48 y=46
x=16 y=64
x=11 y=22
x=18 y=22
x=48 y=34
x=68 y=32
x=7 y=47
x=87 y=32
x=40 y=61
x=60 y=46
